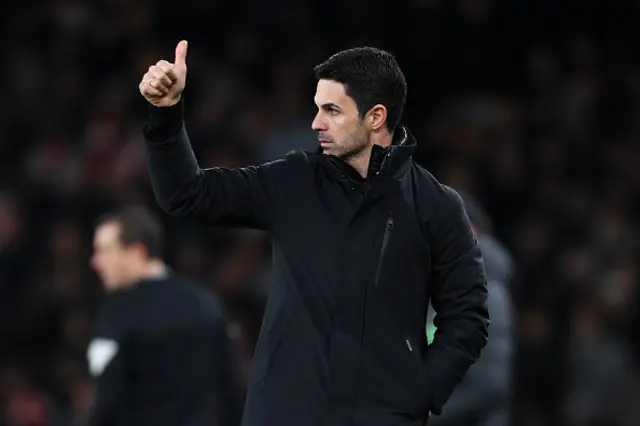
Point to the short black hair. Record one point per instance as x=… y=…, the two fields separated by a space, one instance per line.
x=370 y=76
x=140 y=225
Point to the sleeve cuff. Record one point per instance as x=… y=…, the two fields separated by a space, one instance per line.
x=164 y=122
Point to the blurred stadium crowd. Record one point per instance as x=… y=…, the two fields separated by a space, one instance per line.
x=532 y=106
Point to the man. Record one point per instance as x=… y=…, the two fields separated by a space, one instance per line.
x=160 y=354
x=363 y=239
x=483 y=398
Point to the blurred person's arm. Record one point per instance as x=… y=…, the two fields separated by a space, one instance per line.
x=241 y=197
x=487 y=385
x=459 y=298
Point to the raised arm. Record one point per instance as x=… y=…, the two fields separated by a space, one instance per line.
x=242 y=197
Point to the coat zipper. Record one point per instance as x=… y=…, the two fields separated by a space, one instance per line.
x=385 y=242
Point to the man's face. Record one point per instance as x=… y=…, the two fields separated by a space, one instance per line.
x=341 y=131
x=112 y=261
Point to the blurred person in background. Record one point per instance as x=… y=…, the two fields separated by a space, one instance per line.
x=363 y=239
x=160 y=354
x=484 y=396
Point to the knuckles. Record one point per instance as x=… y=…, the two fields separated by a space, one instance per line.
x=157 y=72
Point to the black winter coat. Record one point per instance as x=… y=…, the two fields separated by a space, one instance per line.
x=356 y=262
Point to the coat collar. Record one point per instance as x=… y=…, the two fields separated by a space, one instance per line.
x=386 y=162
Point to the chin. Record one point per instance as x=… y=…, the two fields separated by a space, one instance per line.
x=111 y=285
x=327 y=151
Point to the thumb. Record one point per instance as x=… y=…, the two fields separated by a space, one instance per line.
x=181 y=54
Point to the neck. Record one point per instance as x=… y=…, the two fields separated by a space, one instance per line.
x=151 y=269
x=155 y=268
x=360 y=162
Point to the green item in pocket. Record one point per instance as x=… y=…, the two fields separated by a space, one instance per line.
x=431 y=331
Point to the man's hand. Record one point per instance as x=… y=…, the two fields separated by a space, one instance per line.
x=163 y=84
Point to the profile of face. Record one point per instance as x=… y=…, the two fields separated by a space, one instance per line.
x=341 y=130
x=113 y=261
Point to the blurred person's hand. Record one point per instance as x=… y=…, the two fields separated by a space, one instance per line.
x=163 y=84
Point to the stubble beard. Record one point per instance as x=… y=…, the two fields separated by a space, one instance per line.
x=355 y=145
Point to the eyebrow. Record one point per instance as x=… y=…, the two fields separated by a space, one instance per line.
x=329 y=105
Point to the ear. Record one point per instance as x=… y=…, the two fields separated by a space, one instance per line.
x=377 y=117
x=140 y=249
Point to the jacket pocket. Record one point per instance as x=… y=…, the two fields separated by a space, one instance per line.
x=423 y=394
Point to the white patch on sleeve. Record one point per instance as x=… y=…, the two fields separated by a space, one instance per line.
x=100 y=353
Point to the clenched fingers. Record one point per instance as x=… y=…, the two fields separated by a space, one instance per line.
x=168 y=69
x=158 y=78
x=154 y=86
x=148 y=90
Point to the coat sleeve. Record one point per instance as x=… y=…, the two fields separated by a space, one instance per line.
x=239 y=197
x=486 y=387
x=459 y=298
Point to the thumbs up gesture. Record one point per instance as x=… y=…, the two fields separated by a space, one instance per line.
x=163 y=84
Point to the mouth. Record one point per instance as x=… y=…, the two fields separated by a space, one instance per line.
x=324 y=142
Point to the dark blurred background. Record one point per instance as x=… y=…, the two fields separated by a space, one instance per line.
x=531 y=106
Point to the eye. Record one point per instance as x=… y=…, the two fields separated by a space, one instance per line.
x=334 y=111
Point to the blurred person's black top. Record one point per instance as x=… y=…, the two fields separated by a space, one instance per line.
x=161 y=355
x=356 y=262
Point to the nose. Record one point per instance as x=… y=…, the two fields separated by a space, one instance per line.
x=318 y=123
